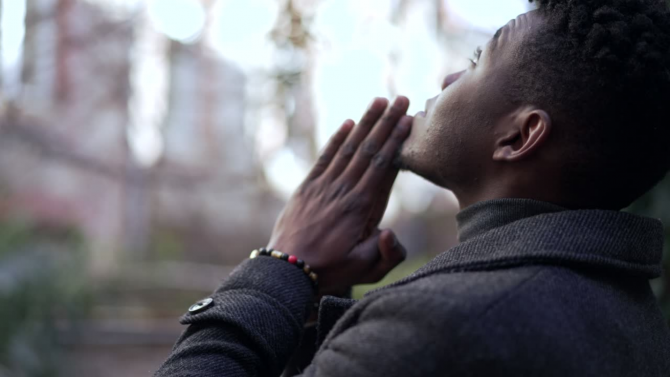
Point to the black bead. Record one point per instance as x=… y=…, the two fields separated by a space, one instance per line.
x=264 y=251
x=284 y=257
x=300 y=263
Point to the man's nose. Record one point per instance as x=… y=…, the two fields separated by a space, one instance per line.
x=451 y=79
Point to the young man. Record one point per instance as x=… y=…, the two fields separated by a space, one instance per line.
x=559 y=123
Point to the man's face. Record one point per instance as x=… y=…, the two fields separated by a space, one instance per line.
x=452 y=143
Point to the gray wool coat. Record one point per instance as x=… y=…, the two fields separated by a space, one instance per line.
x=532 y=290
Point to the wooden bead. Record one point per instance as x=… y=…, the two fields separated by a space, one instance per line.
x=289 y=258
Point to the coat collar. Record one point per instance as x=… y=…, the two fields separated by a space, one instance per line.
x=481 y=217
x=521 y=232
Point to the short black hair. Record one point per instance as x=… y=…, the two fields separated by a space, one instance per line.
x=601 y=68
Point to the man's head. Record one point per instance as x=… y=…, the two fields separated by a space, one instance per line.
x=569 y=103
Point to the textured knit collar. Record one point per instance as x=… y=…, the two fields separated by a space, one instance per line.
x=512 y=232
x=481 y=217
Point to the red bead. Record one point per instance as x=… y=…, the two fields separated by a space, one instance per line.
x=292 y=259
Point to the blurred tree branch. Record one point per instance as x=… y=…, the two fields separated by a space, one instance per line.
x=293 y=39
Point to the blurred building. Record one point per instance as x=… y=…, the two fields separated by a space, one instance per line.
x=155 y=231
x=211 y=185
x=65 y=150
x=64 y=153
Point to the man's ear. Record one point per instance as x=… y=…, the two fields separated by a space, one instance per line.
x=529 y=131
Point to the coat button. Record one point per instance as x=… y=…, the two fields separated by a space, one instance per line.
x=200 y=305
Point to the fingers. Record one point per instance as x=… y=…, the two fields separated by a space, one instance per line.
x=378 y=170
x=348 y=149
x=383 y=198
x=380 y=202
x=392 y=254
x=331 y=149
x=382 y=252
x=375 y=141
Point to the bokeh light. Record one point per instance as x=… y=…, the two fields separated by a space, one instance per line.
x=181 y=20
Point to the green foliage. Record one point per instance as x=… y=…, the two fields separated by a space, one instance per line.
x=405 y=269
x=41 y=294
x=656 y=203
x=167 y=244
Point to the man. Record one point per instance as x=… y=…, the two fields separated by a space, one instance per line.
x=558 y=124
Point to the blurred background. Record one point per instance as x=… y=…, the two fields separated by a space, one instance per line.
x=146 y=147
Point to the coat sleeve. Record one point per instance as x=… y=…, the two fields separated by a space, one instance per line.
x=256 y=321
x=252 y=327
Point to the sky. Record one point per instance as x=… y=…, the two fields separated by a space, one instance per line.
x=12 y=34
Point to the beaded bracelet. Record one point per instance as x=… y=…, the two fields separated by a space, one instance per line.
x=289 y=258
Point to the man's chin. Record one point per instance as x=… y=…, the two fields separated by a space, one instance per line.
x=405 y=160
x=410 y=159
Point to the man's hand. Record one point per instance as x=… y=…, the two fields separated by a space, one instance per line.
x=331 y=222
